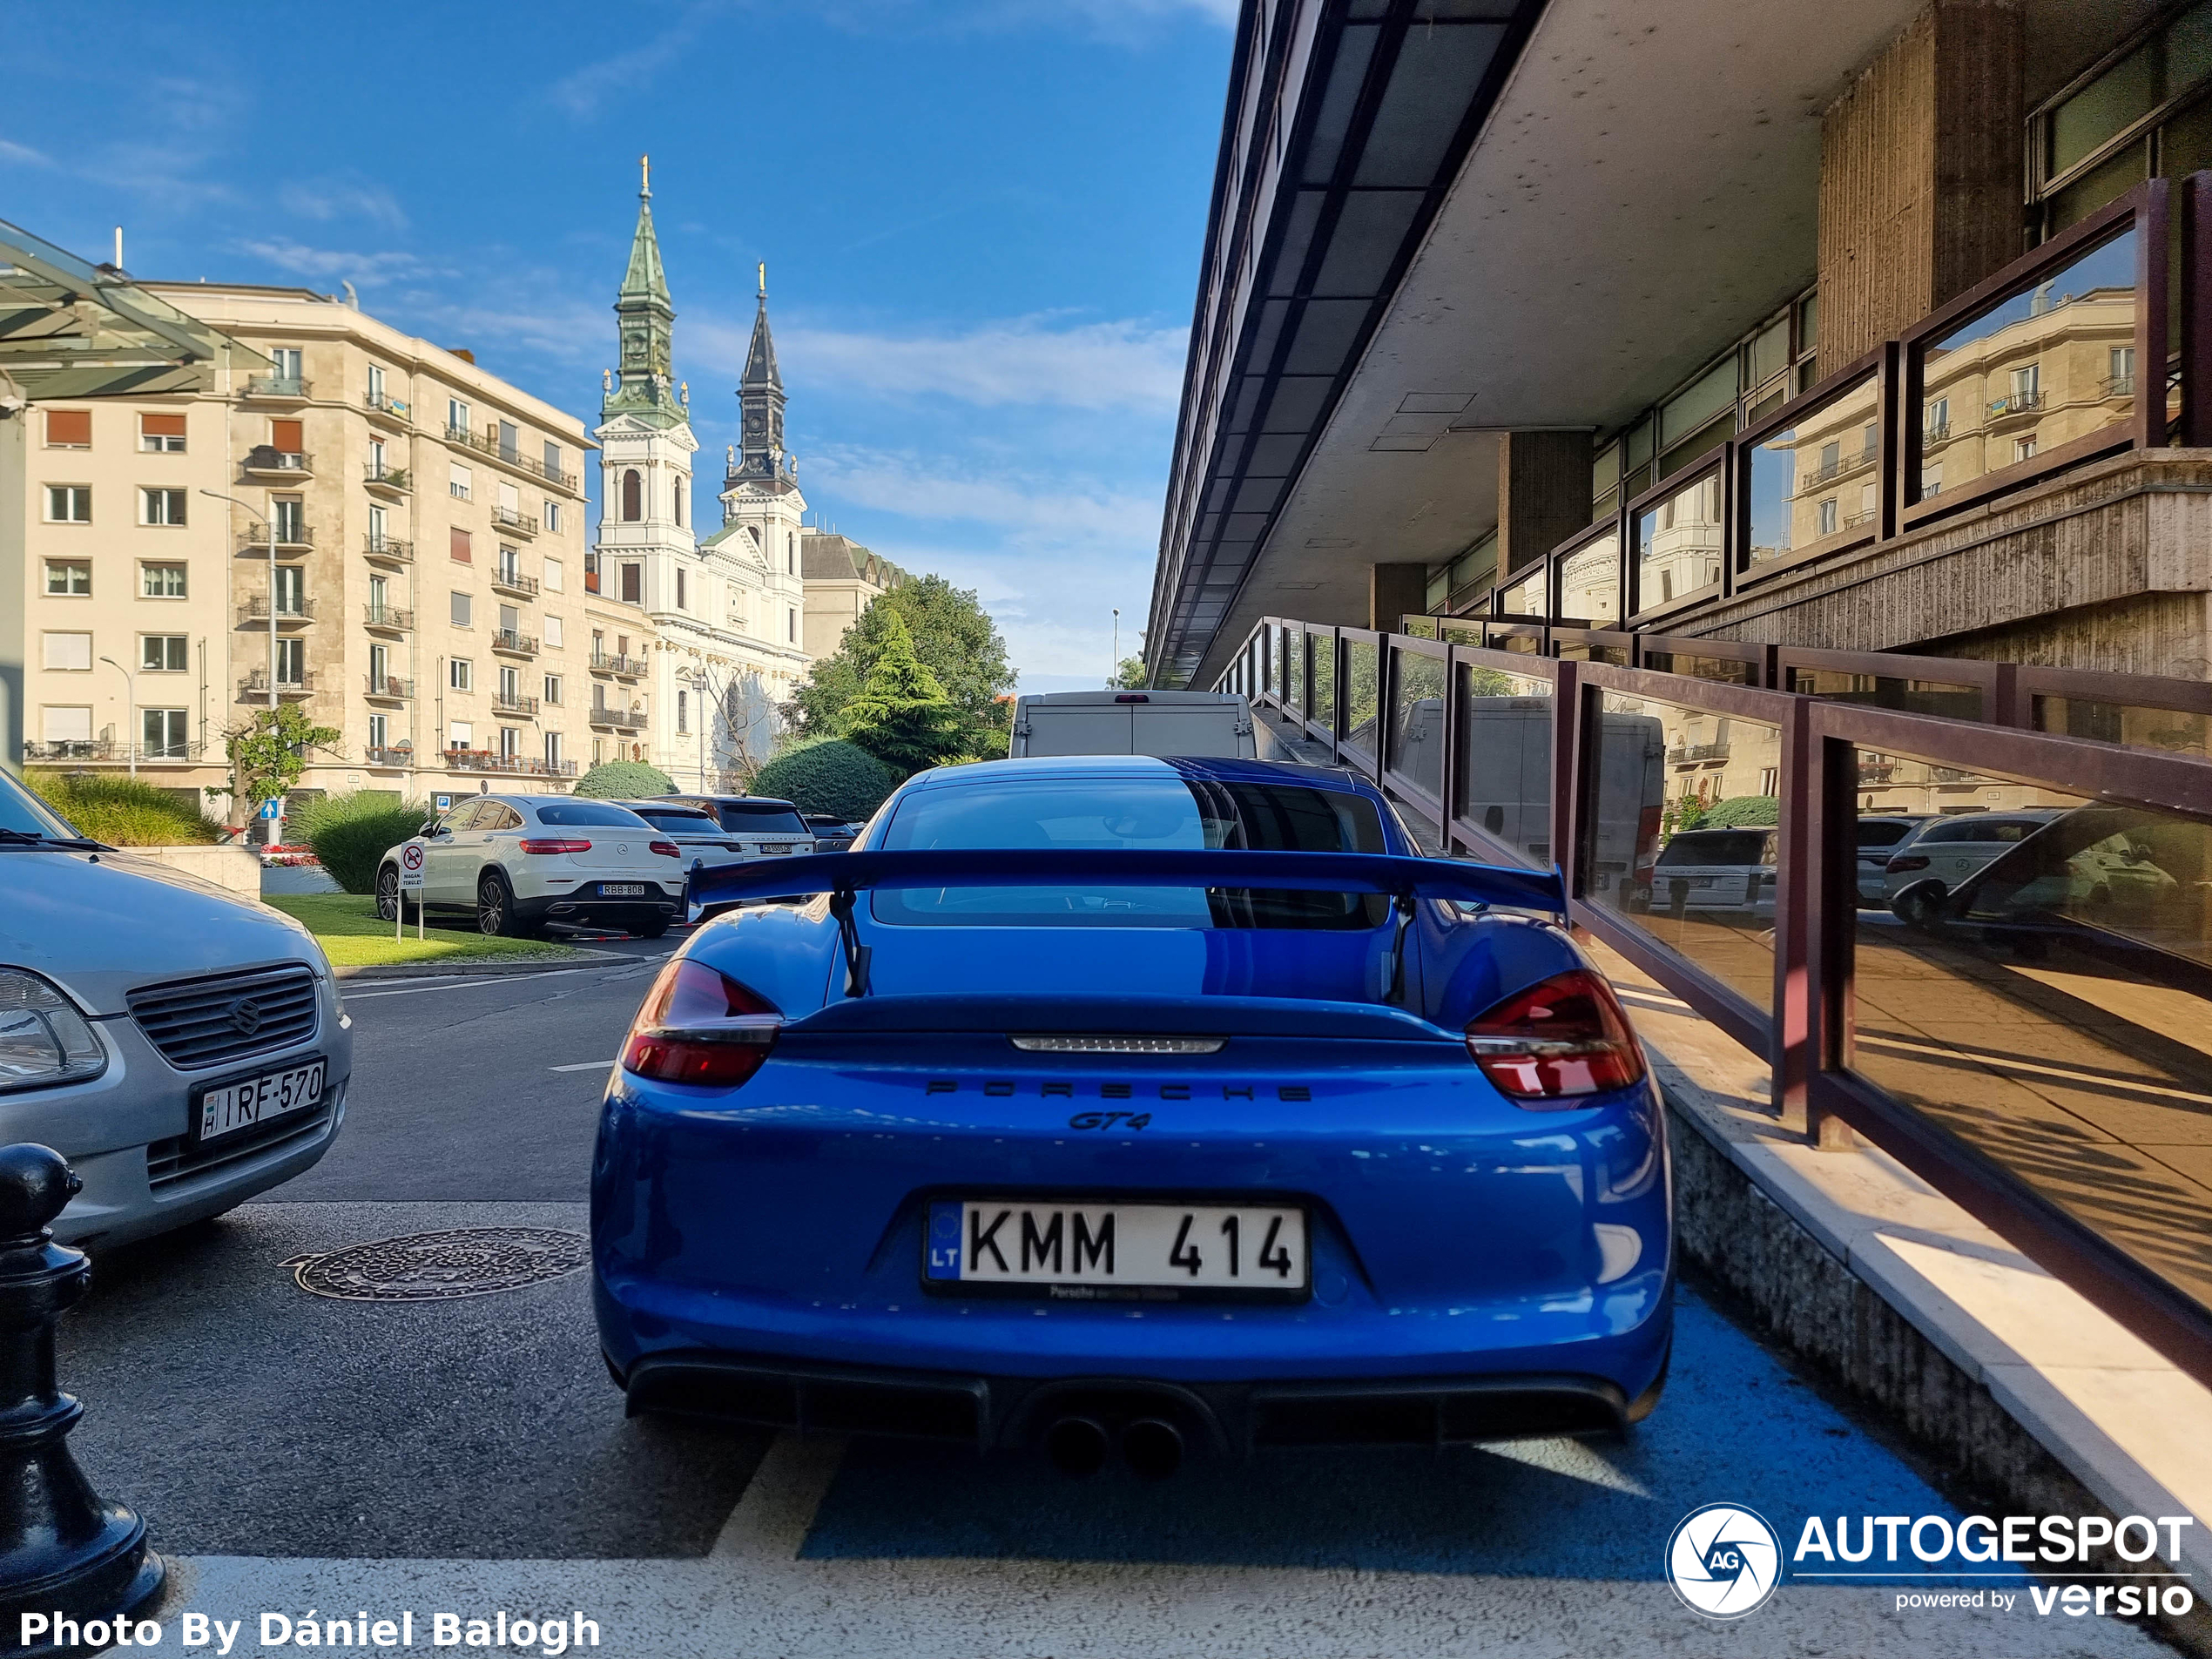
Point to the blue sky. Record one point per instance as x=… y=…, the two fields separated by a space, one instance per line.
x=982 y=221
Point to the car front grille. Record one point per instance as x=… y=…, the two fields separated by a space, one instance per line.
x=177 y=1159
x=201 y=1022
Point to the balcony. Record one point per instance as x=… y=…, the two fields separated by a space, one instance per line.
x=1852 y=520
x=387 y=549
x=506 y=640
x=617 y=719
x=387 y=688
x=385 y=409
x=265 y=460
x=1936 y=431
x=484 y=444
x=516 y=765
x=110 y=750
x=2116 y=386
x=521 y=707
x=390 y=619
x=278 y=389
x=291 y=540
x=626 y=668
x=2019 y=403
x=402 y=756
x=1842 y=466
x=291 y=613
x=1692 y=754
x=255 y=688
x=508 y=519
x=386 y=481
x=515 y=582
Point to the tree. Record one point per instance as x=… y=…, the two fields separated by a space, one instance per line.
x=902 y=716
x=624 y=780
x=953 y=637
x=1131 y=675
x=829 y=776
x=268 y=752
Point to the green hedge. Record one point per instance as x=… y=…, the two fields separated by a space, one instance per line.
x=829 y=776
x=122 y=811
x=1743 y=811
x=624 y=780
x=351 y=833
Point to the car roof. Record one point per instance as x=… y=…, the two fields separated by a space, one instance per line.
x=1210 y=768
x=731 y=801
x=1184 y=699
x=659 y=803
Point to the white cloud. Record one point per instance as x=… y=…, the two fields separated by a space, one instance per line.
x=24 y=154
x=1123 y=365
x=1091 y=514
x=343 y=198
x=334 y=265
x=582 y=93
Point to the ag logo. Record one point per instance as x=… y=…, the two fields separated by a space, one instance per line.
x=1724 y=1561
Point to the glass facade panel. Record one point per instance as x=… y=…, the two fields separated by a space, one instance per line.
x=1503 y=781
x=1362 y=700
x=2106 y=182
x=1816 y=481
x=2032 y=373
x=1294 y=667
x=1321 y=676
x=2170 y=731
x=1525 y=597
x=1589 y=583
x=2037 y=978
x=1417 y=719
x=1728 y=671
x=1679 y=840
x=2124 y=93
x=1678 y=543
x=1887 y=691
x=1692 y=408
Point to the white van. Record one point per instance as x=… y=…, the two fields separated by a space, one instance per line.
x=1132 y=723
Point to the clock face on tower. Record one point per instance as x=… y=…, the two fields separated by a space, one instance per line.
x=756 y=422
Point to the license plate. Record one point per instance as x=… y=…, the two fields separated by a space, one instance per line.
x=1082 y=1250
x=228 y=1108
x=622 y=889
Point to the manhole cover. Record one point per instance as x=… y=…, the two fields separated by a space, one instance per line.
x=438 y=1267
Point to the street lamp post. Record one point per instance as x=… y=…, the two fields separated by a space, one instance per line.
x=1116 y=673
x=702 y=682
x=130 y=710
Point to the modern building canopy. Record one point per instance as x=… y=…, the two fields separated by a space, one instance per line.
x=1435 y=221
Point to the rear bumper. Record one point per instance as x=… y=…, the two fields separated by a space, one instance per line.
x=611 y=913
x=1003 y=1413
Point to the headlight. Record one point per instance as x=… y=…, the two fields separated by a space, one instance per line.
x=44 y=1040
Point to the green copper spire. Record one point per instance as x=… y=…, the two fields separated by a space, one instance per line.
x=647 y=326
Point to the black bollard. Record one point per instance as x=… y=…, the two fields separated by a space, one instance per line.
x=62 y=1550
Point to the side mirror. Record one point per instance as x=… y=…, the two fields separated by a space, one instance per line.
x=1925 y=904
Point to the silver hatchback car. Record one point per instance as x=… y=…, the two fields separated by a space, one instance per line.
x=184 y=1049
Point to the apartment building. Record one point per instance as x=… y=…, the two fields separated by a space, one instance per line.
x=378 y=530
x=843 y=579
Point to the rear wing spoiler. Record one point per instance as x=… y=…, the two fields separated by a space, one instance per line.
x=1452 y=880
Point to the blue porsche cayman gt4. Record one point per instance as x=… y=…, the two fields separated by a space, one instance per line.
x=1113 y=1100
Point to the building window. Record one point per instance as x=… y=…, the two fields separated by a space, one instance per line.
x=1827 y=519
x=553 y=632
x=377 y=466
x=552 y=574
x=553 y=466
x=166 y=734
x=380 y=525
x=683 y=601
x=69 y=503
x=679 y=503
x=552 y=517
x=161 y=507
x=553 y=750
x=161 y=434
x=289 y=364
x=164 y=653
x=633 y=584
x=790 y=554
x=69 y=429
x=2023 y=448
x=70 y=576
x=2027 y=386
x=163 y=581
x=509 y=565
x=509 y=438
x=376 y=385
x=457 y=416
x=460 y=734
x=461 y=674
x=458 y=544
x=511 y=742
x=68 y=723
x=633 y=497
x=683 y=711
x=292 y=662
x=510 y=683
x=2119 y=371
x=379 y=733
x=461 y=610
x=288 y=514
x=791 y=625
x=553 y=690
x=461 y=483
x=68 y=653
x=1937 y=418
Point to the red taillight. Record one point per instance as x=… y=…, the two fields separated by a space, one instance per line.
x=666 y=849
x=1904 y=862
x=1565 y=1035
x=556 y=847
x=699 y=1027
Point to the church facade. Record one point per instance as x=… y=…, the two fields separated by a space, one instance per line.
x=699 y=701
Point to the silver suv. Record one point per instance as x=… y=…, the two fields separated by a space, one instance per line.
x=183 y=1047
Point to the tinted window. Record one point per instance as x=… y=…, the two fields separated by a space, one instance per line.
x=1718 y=847
x=1980 y=828
x=677 y=821
x=20 y=810
x=465 y=815
x=1137 y=813
x=760 y=818
x=589 y=814
x=497 y=817
x=1874 y=831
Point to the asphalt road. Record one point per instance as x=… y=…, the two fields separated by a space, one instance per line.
x=291 y=1451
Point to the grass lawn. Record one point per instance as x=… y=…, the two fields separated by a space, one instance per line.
x=347 y=927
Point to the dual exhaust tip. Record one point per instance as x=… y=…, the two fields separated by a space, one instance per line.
x=1151 y=1448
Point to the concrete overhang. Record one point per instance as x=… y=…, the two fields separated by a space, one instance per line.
x=1642 y=189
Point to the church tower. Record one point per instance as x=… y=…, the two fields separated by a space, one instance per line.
x=762 y=508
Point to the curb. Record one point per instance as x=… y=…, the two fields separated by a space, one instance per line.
x=473 y=970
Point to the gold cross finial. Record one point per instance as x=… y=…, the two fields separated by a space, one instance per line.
x=764 y=279
x=645 y=175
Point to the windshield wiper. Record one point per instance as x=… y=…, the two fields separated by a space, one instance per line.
x=66 y=843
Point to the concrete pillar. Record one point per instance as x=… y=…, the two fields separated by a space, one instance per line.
x=1543 y=493
x=1395 y=591
x=1920 y=169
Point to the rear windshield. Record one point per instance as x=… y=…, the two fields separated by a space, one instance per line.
x=1166 y=814
x=1882 y=832
x=587 y=814
x=1979 y=827
x=677 y=820
x=1718 y=847
x=759 y=818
